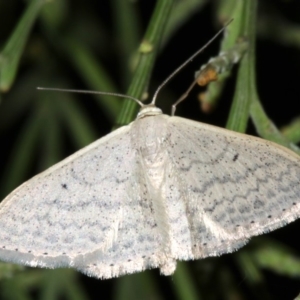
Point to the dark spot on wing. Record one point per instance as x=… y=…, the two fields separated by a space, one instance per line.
x=235 y=157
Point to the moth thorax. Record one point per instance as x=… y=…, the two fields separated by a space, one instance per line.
x=148 y=110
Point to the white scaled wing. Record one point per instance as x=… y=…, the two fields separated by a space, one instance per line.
x=90 y=208
x=236 y=186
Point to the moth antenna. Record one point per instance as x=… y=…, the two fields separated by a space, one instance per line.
x=183 y=96
x=159 y=87
x=91 y=92
x=187 y=61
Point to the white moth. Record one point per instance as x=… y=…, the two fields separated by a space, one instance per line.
x=155 y=191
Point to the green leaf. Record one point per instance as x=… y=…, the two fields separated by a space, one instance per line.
x=11 y=54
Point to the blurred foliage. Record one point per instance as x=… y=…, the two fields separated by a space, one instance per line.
x=96 y=45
